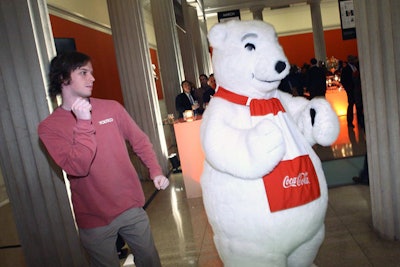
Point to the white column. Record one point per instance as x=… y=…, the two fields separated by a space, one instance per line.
x=257 y=12
x=318 y=30
x=197 y=30
x=35 y=187
x=378 y=38
x=204 y=48
x=169 y=54
x=188 y=43
x=134 y=65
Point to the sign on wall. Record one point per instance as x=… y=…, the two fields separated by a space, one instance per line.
x=228 y=15
x=347 y=19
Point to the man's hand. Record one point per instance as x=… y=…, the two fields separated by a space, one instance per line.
x=161 y=182
x=195 y=105
x=81 y=108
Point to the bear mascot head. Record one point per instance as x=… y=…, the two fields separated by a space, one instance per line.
x=263 y=186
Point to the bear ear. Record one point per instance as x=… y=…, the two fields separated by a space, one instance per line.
x=217 y=34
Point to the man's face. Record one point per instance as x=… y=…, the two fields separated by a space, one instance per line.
x=203 y=80
x=81 y=83
x=211 y=82
x=186 y=87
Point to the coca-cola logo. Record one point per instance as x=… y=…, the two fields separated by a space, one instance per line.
x=300 y=180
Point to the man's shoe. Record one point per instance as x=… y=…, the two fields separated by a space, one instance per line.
x=358 y=180
x=123 y=253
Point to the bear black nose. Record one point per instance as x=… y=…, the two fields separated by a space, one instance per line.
x=280 y=66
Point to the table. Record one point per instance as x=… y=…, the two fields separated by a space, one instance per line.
x=337 y=97
x=191 y=155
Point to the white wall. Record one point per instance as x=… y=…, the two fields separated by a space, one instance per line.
x=95 y=10
x=94 y=14
x=287 y=21
x=293 y=20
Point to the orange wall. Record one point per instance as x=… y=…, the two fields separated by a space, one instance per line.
x=299 y=48
x=99 y=46
x=154 y=60
x=337 y=47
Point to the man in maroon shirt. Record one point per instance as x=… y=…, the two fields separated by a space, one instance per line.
x=87 y=138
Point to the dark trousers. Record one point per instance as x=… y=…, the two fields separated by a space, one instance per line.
x=354 y=98
x=134 y=227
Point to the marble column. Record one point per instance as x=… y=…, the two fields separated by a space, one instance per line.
x=257 y=12
x=34 y=184
x=169 y=53
x=204 y=48
x=378 y=39
x=188 y=37
x=134 y=65
x=318 y=30
x=199 y=43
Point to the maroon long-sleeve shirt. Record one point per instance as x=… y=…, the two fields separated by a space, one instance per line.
x=94 y=154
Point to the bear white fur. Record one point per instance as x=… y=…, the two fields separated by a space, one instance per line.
x=239 y=151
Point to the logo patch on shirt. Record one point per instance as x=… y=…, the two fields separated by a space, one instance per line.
x=109 y=120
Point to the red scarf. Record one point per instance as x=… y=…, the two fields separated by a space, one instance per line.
x=258 y=107
x=292 y=182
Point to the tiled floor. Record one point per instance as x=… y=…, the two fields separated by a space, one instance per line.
x=184 y=237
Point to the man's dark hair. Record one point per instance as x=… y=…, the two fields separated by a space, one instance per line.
x=313 y=61
x=203 y=75
x=61 y=67
x=185 y=81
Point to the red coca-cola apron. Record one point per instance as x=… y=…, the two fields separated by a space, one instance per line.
x=293 y=182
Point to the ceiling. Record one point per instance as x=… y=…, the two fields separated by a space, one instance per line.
x=213 y=6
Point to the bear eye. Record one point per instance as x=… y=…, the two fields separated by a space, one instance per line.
x=250 y=47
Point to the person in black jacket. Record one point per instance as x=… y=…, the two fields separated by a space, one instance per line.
x=346 y=79
x=186 y=100
x=316 y=80
x=210 y=91
x=350 y=79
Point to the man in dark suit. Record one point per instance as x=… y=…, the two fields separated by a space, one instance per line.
x=350 y=79
x=316 y=80
x=346 y=78
x=186 y=100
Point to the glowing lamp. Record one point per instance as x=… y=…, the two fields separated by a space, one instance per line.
x=188 y=115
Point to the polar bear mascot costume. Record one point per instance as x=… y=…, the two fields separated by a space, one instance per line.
x=263 y=186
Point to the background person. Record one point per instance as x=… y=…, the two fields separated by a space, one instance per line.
x=186 y=100
x=210 y=91
x=316 y=79
x=211 y=81
x=350 y=79
x=199 y=92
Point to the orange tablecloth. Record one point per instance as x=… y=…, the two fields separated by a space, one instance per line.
x=337 y=97
x=191 y=155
